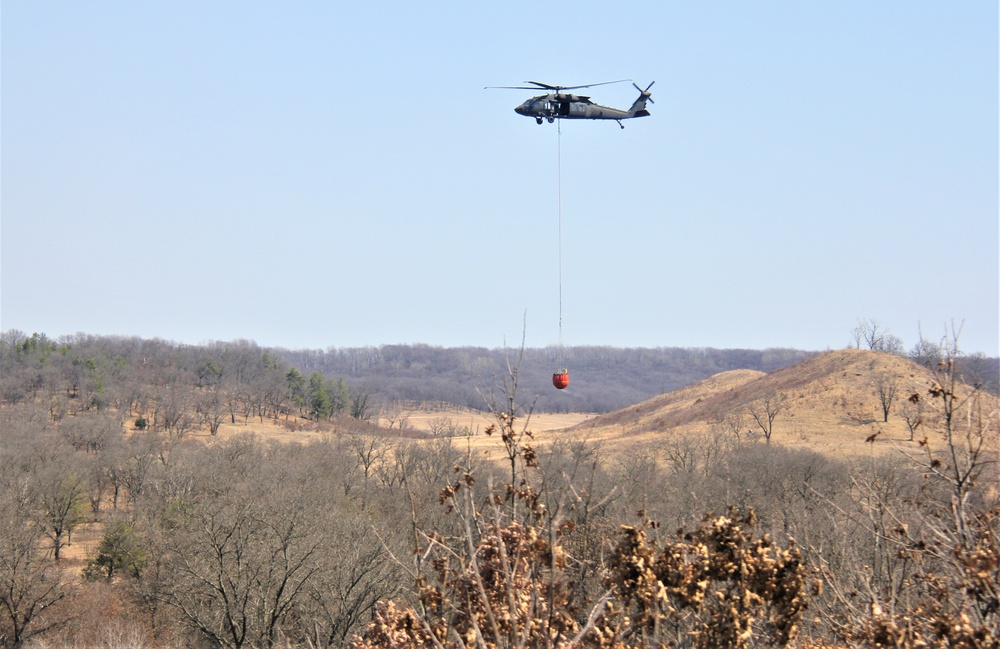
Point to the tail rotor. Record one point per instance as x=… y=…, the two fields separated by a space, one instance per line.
x=638 y=108
x=645 y=95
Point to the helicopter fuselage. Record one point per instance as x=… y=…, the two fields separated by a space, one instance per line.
x=561 y=105
x=564 y=106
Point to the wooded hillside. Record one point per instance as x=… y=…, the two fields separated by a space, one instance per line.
x=601 y=378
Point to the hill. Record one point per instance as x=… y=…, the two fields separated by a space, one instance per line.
x=830 y=402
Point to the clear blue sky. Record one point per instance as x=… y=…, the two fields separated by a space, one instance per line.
x=317 y=174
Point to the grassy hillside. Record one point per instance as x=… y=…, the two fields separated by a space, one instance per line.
x=830 y=403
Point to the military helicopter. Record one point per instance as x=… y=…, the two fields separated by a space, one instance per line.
x=560 y=105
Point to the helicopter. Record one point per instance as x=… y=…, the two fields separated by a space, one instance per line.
x=560 y=105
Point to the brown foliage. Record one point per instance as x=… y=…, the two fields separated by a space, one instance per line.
x=716 y=584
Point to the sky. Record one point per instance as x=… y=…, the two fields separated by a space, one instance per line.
x=334 y=174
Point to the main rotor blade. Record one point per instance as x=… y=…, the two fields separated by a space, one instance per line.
x=538 y=84
x=587 y=85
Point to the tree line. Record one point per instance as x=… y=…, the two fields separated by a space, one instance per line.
x=238 y=380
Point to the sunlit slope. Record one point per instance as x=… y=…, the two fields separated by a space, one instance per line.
x=829 y=402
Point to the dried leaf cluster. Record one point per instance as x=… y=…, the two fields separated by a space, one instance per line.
x=717 y=585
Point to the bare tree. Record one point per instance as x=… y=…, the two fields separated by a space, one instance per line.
x=355 y=573
x=276 y=391
x=211 y=408
x=765 y=411
x=732 y=422
x=239 y=564
x=684 y=454
x=913 y=413
x=371 y=452
x=60 y=493
x=886 y=385
x=173 y=413
x=873 y=335
x=134 y=464
x=92 y=432
x=393 y=414
x=516 y=437
x=926 y=353
x=30 y=584
x=969 y=432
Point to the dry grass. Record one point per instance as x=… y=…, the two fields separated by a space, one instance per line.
x=832 y=406
x=73 y=558
x=418 y=424
x=477 y=422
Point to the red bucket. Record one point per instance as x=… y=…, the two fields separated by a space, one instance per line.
x=560 y=379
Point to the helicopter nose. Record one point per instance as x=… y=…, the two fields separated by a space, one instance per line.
x=522 y=109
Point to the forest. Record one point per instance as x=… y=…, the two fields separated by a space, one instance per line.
x=602 y=378
x=368 y=538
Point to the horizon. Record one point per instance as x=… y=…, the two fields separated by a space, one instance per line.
x=906 y=350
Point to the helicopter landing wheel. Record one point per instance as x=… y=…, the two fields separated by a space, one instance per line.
x=551 y=119
x=538 y=120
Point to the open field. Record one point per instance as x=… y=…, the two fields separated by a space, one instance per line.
x=422 y=422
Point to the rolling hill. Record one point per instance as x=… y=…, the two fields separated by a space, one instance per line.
x=828 y=402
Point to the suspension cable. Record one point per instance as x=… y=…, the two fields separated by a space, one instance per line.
x=559 y=211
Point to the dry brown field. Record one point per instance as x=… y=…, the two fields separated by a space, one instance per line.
x=417 y=423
